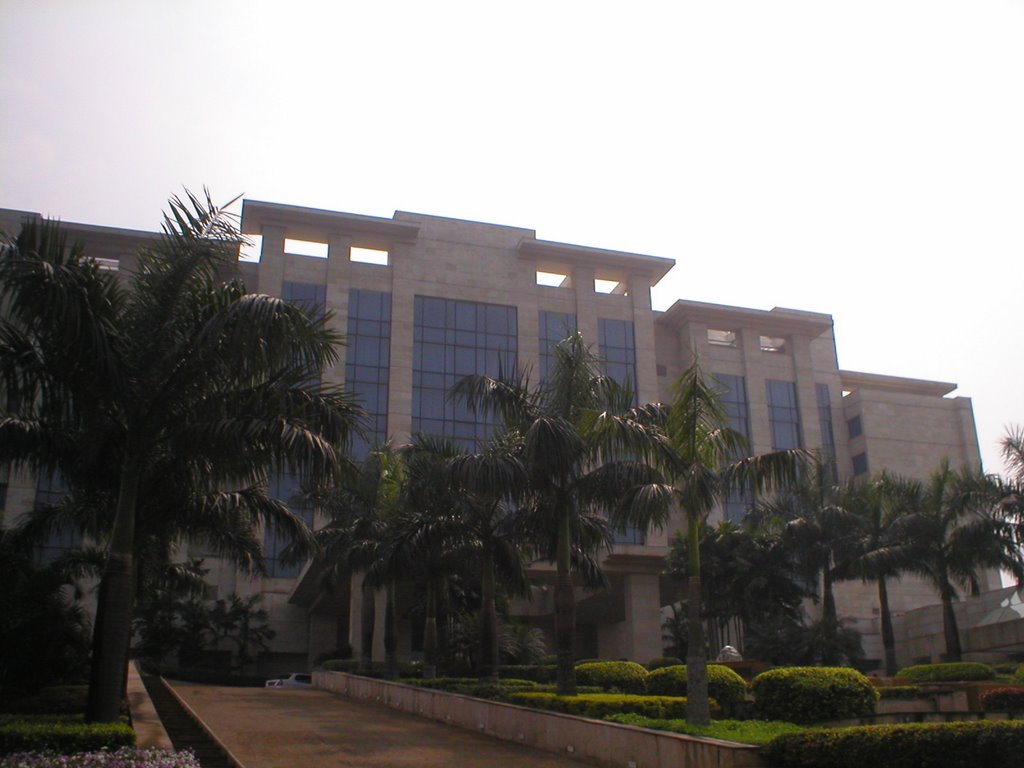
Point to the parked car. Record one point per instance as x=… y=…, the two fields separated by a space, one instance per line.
x=294 y=680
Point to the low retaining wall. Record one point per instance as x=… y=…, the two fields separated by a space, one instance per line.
x=608 y=744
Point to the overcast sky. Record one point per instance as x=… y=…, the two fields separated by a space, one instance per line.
x=864 y=159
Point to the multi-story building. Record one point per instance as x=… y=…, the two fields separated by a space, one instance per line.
x=424 y=300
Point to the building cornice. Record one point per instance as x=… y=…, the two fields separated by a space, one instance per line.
x=854 y=380
x=548 y=252
x=775 y=322
x=317 y=224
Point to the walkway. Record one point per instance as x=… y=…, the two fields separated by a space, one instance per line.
x=287 y=728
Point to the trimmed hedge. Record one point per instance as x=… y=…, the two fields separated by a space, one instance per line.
x=599 y=705
x=810 y=694
x=55 y=700
x=992 y=744
x=947 y=672
x=539 y=673
x=664 y=661
x=724 y=685
x=1002 y=700
x=65 y=735
x=1018 y=676
x=625 y=676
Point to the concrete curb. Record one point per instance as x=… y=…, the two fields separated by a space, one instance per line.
x=206 y=729
x=149 y=730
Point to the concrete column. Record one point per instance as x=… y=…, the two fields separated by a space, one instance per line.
x=586 y=303
x=806 y=394
x=403 y=302
x=271 y=271
x=643 y=617
x=337 y=287
x=757 y=396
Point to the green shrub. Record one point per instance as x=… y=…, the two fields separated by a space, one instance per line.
x=58 y=699
x=809 y=694
x=663 y=661
x=599 y=705
x=539 y=673
x=1018 y=676
x=1002 y=700
x=951 y=671
x=62 y=734
x=900 y=692
x=724 y=685
x=340 y=665
x=625 y=676
x=756 y=732
x=990 y=744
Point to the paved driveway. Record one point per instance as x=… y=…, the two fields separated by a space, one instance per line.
x=287 y=728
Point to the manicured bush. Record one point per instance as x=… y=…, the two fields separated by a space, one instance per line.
x=599 y=705
x=950 y=671
x=625 y=676
x=810 y=694
x=126 y=757
x=900 y=692
x=756 y=732
x=1018 y=676
x=55 y=700
x=63 y=734
x=1002 y=700
x=990 y=744
x=663 y=661
x=724 y=685
x=539 y=673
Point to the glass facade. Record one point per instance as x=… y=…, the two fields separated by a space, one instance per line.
x=286 y=487
x=312 y=298
x=854 y=427
x=737 y=409
x=554 y=327
x=50 y=491
x=617 y=346
x=367 y=362
x=860 y=464
x=828 y=438
x=453 y=339
x=783 y=415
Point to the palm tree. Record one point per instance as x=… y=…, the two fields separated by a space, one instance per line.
x=569 y=430
x=698 y=473
x=811 y=516
x=174 y=361
x=951 y=535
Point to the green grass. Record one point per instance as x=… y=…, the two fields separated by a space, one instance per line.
x=755 y=732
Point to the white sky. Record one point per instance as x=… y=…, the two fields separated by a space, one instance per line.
x=864 y=159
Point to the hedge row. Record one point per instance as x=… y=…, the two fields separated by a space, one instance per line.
x=950 y=671
x=810 y=694
x=63 y=735
x=599 y=705
x=901 y=692
x=724 y=685
x=992 y=744
x=59 y=699
x=1003 y=700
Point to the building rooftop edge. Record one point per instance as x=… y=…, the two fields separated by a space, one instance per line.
x=859 y=380
x=776 y=320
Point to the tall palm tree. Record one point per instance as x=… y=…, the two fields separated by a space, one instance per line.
x=570 y=430
x=174 y=361
x=811 y=515
x=699 y=471
x=951 y=535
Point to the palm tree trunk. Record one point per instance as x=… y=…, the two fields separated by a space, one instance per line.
x=698 y=707
x=390 y=634
x=367 y=618
x=565 y=609
x=888 y=636
x=954 y=651
x=488 y=622
x=430 y=633
x=113 y=630
x=829 y=620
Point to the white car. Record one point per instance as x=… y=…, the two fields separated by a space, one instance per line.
x=294 y=680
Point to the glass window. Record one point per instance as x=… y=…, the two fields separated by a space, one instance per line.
x=453 y=339
x=286 y=487
x=719 y=338
x=854 y=427
x=860 y=464
x=618 y=348
x=554 y=327
x=367 y=356
x=50 y=492
x=828 y=440
x=734 y=399
x=783 y=415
